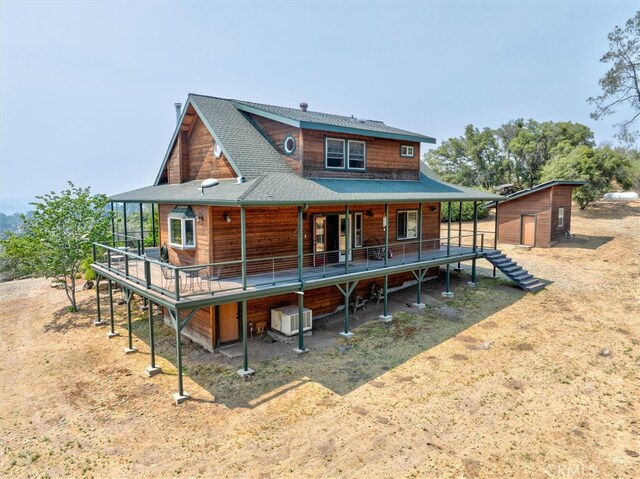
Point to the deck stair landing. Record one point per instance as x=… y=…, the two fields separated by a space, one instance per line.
x=514 y=271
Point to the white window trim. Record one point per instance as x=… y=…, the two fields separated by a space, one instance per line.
x=398 y=213
x=413 y=151
x=326 y=154
x=357 y=244
x=560 y=217
x=364 y=151
x=183 y=232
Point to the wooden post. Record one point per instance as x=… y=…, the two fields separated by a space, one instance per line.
x=128 y=295
x=420 y=232
x=347 y=239
x=112 y=333
x=300 y=348
x=447 y=292
x=473 y=281
x=152 y=369
x=386 y=317
x=495 y=237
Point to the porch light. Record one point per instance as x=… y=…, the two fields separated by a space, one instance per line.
x=434 y=209
x=370 y=213
x=199 y=217
x=227 y=217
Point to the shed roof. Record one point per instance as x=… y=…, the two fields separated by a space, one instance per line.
x=535 y=189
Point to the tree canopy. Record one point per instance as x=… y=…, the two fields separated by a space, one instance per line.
x=513 y=153
x=621 y=83
x=58 y=236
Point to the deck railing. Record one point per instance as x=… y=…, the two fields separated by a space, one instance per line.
x=126 y=258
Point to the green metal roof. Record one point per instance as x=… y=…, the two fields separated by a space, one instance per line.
x=534 y=189
x=314 y=120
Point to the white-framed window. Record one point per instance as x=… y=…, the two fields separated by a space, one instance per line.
x=182 y=228
x=334 y=153
x=357 y=155
x=407 y=151
x=289 y=145
x=560 y=216
x=357 y=230
x=407 y=224
x=345 y=154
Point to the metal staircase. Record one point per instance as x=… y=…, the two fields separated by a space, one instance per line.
x=514 y=271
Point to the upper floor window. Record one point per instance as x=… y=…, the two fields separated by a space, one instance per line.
x=407 y=224
x=335 y=153
x=345 y=154
x=560 y=216
x=182 y=227
x=407 y=151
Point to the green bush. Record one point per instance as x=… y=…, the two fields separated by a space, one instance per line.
x=467 y=211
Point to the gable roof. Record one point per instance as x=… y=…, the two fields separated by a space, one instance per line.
x=535 y=189
x=247 y=150
x=313 y=120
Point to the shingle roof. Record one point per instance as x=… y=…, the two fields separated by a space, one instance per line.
x=291 y=189
x=534 y=189
x=326 y=121
x=242 y=144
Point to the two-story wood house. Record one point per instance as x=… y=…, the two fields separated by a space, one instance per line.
x=268 y=213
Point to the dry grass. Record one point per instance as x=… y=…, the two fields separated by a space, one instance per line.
x=512 y=386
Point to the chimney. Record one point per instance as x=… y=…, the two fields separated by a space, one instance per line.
x=178 y=111
x=304 y=106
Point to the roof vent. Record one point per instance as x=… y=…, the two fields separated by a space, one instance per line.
x=178 y=111
x=240 y=180
x=304 y=106
x=208 y=183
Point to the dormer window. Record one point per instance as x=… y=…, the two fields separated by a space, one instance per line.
x=345 y=154
x=407 y=151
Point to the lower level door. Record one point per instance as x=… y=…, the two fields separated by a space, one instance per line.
x=528 y=230
x=228 y=321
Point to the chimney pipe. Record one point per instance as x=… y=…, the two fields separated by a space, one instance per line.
x=178 y=111
x=304 y=106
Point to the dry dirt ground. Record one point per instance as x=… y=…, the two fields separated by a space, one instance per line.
x=494 y=383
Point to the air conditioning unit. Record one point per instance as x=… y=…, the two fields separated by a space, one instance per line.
x=285 y=320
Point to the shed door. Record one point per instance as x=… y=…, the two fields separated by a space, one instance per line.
x=528 y=230
x=229 y=324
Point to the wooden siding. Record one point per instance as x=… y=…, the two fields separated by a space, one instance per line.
x=272 y=231
x=202 y=253
x=510 y=213
x=383 y=158
x=561 y=198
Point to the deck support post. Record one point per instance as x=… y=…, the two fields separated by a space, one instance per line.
x=112 y=333
x=300 y=349
x=473 y=283
x=181 y=396
x=126 y=237
x=420 y=232
x=346 y=293
x=153 y=224
x=347 y=239
x=113 y=222
x=419 y=278
x=141 y=248
x=152 y=369
x=386 y=317
x=128 y=295
x=495 y=237
x=447 y=293
x=459 y=230
x=246 y=370
x=98 y=321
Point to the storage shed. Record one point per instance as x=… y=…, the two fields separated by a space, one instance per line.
x=538 y=216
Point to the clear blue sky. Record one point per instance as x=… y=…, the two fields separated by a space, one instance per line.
x=87 y=88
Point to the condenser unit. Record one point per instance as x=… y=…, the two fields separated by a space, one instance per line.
x=285 y=320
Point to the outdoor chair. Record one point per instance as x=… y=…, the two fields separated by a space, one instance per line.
x=168 y=276
x=377 y=293
x=213 y=273
x=357 y=302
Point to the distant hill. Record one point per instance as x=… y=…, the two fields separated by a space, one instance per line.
x=10 y=223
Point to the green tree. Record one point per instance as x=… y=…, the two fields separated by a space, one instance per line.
x=601 y=168
x=621 y=83
x=58 y=236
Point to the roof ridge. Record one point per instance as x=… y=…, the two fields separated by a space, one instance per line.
x=257 y=181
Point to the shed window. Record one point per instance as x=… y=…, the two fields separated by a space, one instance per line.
x=560 y=216
x=407 y=224
x=407 y=151
x=334 y=153
x=182 y=227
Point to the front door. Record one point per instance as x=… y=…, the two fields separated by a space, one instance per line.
x=528 y=230
x=228 y=322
